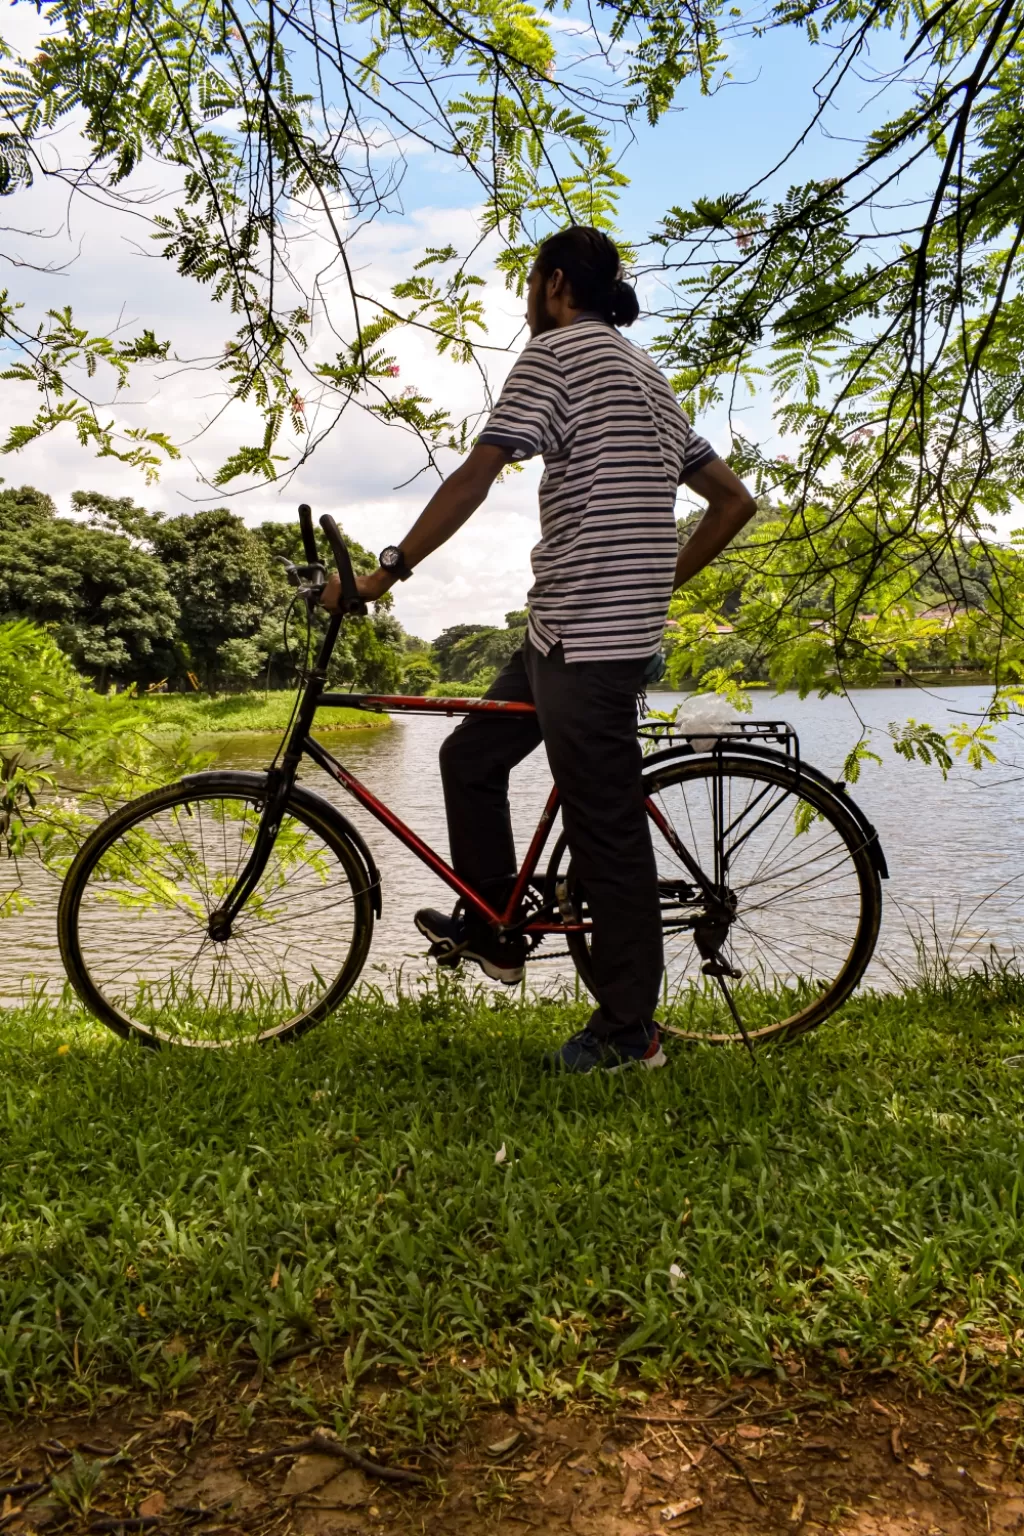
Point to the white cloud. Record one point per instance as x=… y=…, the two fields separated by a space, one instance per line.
x=359 y=472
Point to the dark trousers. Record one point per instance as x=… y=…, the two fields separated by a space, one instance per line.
x=586 y=717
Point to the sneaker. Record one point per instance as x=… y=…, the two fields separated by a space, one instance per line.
x=587 y=1052
x=499 y=956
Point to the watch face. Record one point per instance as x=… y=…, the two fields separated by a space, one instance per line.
x=390 y=558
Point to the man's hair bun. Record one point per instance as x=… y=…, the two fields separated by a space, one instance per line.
x=625 y=304
x=590 y=263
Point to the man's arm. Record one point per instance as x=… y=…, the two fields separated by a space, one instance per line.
x=730 y=507
x=451 y=505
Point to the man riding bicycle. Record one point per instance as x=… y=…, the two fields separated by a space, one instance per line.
x=616 y=446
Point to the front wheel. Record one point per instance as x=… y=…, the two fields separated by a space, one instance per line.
x=134 y=918
x=797 y=898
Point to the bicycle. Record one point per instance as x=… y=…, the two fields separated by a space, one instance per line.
x=237 y=905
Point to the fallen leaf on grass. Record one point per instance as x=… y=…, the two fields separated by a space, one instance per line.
x=503 y=1447
x=919 y=1468
x=879 y=1408
x=635 y=1459
x=631 y=1497
x=552 y=1471
x=751 y=1431
x=275 y=1279
x=895 y=1443
x=309 y=1473
x=796 y=1514
x=349 y=1488
x=686 y=1507
x=155 y=1504
x=500 y=1155
x=176 y=1346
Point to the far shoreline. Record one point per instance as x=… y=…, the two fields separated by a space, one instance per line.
x=909 y=680
x=207 y=716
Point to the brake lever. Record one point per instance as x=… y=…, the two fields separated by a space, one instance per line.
x=316 y=575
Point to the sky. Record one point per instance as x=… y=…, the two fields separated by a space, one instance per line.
x=712 y=145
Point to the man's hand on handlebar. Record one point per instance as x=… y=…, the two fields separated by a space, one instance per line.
x=450 y=506
x=369 y=587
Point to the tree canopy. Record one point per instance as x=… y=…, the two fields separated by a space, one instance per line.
x=108 y=605
x=876 y=311
x=283 y=131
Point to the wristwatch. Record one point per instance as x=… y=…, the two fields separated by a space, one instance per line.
x=392 y=560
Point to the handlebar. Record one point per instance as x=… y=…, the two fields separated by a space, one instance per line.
x=313 y=570
x=308 y=537
x=351 y=602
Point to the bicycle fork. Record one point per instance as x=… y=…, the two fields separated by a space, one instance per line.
x=279 y=788
x=280 y=782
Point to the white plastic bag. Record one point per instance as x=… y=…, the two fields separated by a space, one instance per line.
x=705 y=711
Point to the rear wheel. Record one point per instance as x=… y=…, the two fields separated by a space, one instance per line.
x=134 y=919
x=796 y=898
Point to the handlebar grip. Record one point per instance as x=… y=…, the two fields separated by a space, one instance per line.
x=308 y=537
x=351 y=602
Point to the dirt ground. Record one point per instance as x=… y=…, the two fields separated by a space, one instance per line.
x=871 y=1459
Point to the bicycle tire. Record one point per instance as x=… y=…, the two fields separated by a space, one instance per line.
x=83 y=893
x=819 y=1000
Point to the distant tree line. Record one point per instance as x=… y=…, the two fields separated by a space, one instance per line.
x=464 y=656
x=198 y=599
x=938 y=617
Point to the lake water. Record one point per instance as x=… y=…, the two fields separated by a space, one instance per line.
x=955 y=848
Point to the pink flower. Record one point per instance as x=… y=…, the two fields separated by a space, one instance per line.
x=298 y=405
x=783 y=458
x=393 y=371
x=744 y=240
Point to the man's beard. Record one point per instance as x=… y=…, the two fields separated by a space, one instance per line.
x=545 y=320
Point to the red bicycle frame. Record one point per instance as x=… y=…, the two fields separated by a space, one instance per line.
x=301 y=744
x=403 y=704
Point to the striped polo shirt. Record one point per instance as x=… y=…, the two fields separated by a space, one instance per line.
x=616 y=447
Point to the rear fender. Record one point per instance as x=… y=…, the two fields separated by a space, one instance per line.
x=306 y=799
x=796 y=765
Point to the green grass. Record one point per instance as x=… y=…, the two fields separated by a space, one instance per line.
x=855 y=1199
x=202 y=714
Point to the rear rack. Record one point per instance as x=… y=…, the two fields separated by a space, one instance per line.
x=736 y=736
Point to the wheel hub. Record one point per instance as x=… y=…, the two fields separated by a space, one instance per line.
x=219 y=926
x=711 y=930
